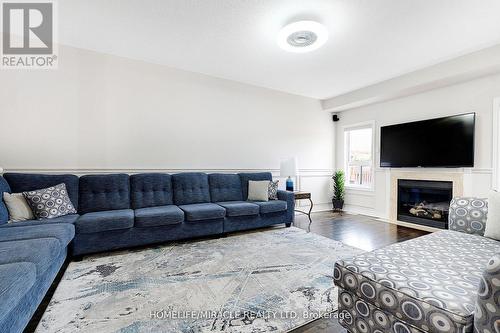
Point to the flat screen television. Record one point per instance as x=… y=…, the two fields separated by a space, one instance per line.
x=446 y=142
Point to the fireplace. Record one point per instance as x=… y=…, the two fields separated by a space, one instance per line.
x=424 y=202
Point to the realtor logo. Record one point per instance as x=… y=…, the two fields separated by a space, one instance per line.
x=28 y=35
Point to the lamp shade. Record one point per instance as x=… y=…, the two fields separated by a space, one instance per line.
x=1 y=170
x=288 y=168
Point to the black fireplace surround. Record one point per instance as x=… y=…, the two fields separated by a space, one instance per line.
x=424 y=202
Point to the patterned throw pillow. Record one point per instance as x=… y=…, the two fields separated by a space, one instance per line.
x=273 y=190
x=50 y=202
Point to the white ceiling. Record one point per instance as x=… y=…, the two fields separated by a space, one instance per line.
x=370 y=40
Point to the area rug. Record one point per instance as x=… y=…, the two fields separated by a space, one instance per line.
x=267 y=281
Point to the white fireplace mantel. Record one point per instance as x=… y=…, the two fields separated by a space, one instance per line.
x=455 y=177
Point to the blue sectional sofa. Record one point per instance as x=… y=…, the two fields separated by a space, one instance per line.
x=117 y=211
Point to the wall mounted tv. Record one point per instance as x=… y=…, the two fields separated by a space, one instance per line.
x=441 y=142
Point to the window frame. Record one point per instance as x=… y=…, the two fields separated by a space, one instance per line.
x=345 y=129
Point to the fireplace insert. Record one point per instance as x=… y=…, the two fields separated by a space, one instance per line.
x=424 y=202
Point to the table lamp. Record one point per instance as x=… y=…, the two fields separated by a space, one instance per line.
x=288 y=168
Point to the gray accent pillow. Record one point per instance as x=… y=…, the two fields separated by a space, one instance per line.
x=50 y=202
x=258 y=190
x=273 y=190
x=18 y=208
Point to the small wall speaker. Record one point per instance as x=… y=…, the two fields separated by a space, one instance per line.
x=335 y=117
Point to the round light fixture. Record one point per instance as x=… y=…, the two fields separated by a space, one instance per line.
x=302 y=36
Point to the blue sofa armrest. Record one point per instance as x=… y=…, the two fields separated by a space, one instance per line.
x=486 y=317
x=290 y=204
x=468 y=215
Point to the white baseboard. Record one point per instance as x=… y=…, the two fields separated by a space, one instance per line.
x=322 y=207
x=358 y=210
x=412 y=225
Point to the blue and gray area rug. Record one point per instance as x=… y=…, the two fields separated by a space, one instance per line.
x=266 y=281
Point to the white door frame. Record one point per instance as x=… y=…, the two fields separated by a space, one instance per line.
x=495 y=183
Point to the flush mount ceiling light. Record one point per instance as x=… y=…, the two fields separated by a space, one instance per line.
x=302 y=36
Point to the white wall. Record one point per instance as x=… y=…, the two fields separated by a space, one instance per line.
x=473 y=96
x=102 y=113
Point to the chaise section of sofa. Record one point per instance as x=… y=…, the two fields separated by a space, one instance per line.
x=30 y=258
x=31 y=252
x=428 y=284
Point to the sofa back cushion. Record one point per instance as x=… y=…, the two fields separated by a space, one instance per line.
x=4 y=213
x=246 y=176
x=190 y=188
x=104 y=192
x=25 y=182
x=150 y=190
x=225 y=187
x=468 y=214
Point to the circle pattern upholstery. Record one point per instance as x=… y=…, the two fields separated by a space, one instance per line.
x=429 y=283
x=468 y=215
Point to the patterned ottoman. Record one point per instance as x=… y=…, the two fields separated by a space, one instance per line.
x=428 y=284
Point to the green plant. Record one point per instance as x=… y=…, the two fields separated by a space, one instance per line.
x=338 y=185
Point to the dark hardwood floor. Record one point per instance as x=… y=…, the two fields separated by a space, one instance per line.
x=361 y=231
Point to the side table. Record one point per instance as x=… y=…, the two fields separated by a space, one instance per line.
x=304 y=195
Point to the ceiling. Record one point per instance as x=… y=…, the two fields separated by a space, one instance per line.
x=370 y=40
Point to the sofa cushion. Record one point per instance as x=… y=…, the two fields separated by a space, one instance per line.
x=50 y=202
x=225 y=187
x=4 y=213
x=239 y=208
x=157 y=216
x=15 y=280
x=64 y=232
x=468 y=215
x=246 y=176
x=203 y=211
x=431 y=281
x=190 y=188
x=67 y=219
x=104 y=192
x=150 y=190
x=272 y=206
x=24 y=182
x=40 y=251
x=105 y=221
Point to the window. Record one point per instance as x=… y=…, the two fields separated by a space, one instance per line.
x=358 y=141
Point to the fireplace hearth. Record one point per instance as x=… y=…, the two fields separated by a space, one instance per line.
x=424 y=202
